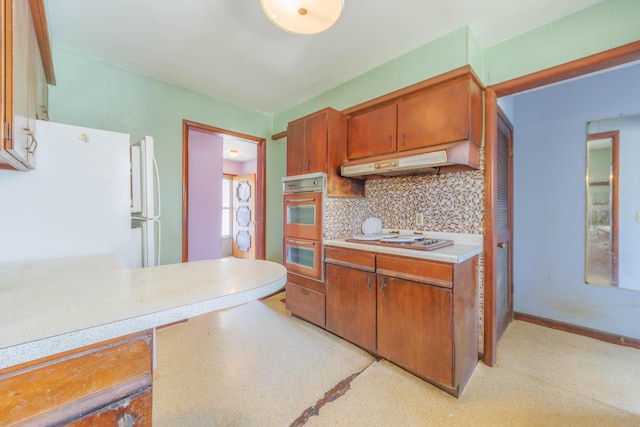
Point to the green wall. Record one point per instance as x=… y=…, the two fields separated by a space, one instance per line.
x=595 y=29
x=95 y=94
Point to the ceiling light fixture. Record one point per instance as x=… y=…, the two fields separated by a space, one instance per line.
x=303 y=16
x=234 y=153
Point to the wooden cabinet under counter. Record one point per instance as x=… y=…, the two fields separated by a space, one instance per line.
x=419 y=314
x=97 y=385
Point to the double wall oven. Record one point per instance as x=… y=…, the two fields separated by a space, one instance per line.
x=303 y=231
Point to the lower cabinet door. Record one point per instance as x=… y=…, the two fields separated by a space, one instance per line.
x=415 y=328
x=305 y=303
x=351 y=305
x=135 y=410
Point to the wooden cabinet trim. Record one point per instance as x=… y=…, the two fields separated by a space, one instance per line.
x=439 y=274
x=415 y=278
x=306 y=303
x=57 y=386
x=136 y=408
x=463 y=71
x=39 y=15
x=359 y=260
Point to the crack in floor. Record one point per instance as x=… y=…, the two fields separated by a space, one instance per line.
x=336 y=392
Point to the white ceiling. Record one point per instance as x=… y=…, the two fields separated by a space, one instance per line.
x=228 y=49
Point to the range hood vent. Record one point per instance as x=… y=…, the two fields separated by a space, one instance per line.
x=458 y=156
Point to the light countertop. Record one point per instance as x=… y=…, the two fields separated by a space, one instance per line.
x=47 y=307
x=465 y=246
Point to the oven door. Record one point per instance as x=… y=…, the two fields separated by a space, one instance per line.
x=304 y=257
x=303 y=215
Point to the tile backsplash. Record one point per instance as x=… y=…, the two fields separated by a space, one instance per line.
x=450 y=202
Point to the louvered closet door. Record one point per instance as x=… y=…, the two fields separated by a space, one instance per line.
x=504 y=250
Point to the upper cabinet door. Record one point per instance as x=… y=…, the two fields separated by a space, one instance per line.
x=436 y=115
x=315 y=146
x=372 y=132
x=295 y=147
x=21 y=68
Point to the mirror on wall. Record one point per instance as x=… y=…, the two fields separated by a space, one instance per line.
x=613 y=203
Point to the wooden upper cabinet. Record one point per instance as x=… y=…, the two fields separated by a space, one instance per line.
x=372 y=132
x=25 y=72
x=307 y=144
x=318 y=143
x=434 y=116
x=295 y=147
x=448 y=110
x=315 y=147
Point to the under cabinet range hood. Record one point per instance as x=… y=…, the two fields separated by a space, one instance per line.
x=453 y=157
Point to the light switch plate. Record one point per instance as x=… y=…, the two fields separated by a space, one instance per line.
x=420 y=219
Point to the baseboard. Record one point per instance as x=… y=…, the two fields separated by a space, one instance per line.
x=580 y=330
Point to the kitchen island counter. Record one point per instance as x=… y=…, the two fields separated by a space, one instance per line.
x=48 y=307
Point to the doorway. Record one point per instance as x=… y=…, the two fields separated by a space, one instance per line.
x=211 y=159
x=590 y=64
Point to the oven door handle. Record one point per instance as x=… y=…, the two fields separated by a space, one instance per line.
x=300 y=200
x=298 y=242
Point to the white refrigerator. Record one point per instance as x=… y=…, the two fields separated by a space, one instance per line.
x=76 y=201
x=145 y=205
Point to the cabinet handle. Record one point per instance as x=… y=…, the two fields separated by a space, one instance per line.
x=298 y=242
x=380 y=165
x=384 y=287
x=31 y=147
x=300 y=200
x=300 y=166
x=402 y=138
x=308 y=163
x=369 y=282
x=501 y=245
x=389 y=139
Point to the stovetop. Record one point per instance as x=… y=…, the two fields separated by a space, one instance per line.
x=423 y=243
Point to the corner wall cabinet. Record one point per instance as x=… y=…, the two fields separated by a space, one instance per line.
x=445 y=112
x=106 y=384
x=26 y=70
x=318 y=143
x=421 y=315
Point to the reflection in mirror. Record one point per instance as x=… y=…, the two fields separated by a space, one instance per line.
x=613 y=203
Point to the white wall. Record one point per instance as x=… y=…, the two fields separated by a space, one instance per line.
x=549 y=201
x=76 y=202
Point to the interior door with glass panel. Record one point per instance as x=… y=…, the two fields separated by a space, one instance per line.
x=244 y=221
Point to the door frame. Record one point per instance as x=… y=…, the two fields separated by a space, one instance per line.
x=579 y=67
x=260 y=183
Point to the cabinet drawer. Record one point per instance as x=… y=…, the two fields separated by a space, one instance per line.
x=417 y=270
x=349 y=258
x=132 y=411
x=305 y=303
x=56 y=389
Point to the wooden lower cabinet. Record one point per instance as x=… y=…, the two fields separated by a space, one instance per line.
x=351 y=305
x=105 y=384
x=304 y=301
x=421 y=315
x=415 y=328
x=135 y=410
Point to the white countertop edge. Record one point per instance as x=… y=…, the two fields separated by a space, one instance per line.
x=453 y=254
x=33 y=350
